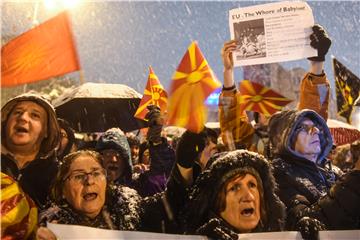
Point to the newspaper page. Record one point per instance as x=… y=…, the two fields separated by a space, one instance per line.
x=274 y=32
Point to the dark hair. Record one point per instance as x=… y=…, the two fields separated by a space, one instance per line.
x=142 y=148
x=256 y=116
x=220 y=202
x=58 y=185
x=355 y=150
x=133 y=140
x=70 y=135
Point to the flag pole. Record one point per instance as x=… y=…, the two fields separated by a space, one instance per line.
x=82 y=77
x=152 y=93
x=35 y=21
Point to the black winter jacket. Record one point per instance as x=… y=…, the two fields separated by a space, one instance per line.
x=307 y=188
x=35 y=178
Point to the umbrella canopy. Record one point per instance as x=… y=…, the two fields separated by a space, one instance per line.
x=96 y=107
x=343 y=133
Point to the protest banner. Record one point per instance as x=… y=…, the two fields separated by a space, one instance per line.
x=273 y=32
x=64 y=232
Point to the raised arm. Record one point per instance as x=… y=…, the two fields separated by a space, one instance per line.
x=315 y=87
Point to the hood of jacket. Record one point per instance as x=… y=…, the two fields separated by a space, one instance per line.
x=49 y=144
x=282 y=130
x=115 y=139
x=205 y=190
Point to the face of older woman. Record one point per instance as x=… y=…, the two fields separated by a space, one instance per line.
x=242 y=209
x=85 y=185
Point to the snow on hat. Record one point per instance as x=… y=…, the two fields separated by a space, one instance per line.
x=115 y=139
x=226 y=166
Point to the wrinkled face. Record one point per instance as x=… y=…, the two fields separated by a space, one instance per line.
x=26 y=126
x=85 y=186
x=307 y=141
x=113 y=163
x=242 y=209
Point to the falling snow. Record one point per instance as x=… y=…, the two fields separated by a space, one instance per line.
x=117 y=41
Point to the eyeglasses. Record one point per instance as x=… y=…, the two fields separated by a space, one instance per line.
x=309 y=129
x=110 y=154
x=81 y=177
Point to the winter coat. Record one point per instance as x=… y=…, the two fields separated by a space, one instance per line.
x=124 y=209
x=307 y=188
x=233 y=122
x=314 y=94
x=162 y=159
x=36 y=176
x=199 y=212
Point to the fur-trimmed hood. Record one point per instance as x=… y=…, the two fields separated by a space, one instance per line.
x=49 y=143
x=282 y=129
x=204 y=192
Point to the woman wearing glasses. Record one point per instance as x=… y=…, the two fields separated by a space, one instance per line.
x=83 y=196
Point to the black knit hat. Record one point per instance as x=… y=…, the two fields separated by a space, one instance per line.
x=207 y=186
x=115 y=139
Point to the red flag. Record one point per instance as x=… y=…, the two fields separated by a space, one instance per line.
x=45 y=51
x=255 y=97
x=192 y=83
x=154 y=94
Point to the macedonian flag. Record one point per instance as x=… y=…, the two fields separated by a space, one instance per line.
x=191 y=84
x=154 y=94
x=45 y=51
x=19 y=215
x=257 y=98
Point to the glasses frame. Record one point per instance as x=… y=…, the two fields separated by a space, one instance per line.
x=70 y=176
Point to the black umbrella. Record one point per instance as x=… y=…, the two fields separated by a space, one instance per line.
x=96 y=107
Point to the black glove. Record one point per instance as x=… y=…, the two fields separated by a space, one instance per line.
x=155 y=124
x=214 y=229
x=309 y=228
x=189 y=148
x=320 y=41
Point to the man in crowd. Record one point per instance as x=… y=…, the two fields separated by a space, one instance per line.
x=300 y=142
x=114 y=148
x=30 y=134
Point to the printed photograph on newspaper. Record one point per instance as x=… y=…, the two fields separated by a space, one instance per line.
x=274 y=32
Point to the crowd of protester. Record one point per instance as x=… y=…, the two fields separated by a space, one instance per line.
x=273 y=175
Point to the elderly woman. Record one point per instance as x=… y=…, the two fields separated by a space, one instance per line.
x=83 y=197
x=241 y=198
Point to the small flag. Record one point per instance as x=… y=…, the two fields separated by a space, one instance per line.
x=347 y=89
x=257 y=98
x=192 y=83
x=154 y=94
x=45 y=51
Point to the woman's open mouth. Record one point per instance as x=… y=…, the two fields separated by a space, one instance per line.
x=247 y=212
x=90 y=196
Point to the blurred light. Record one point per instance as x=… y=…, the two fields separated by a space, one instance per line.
x=50 y=4
x=60 y=4
x=70 y=3
x=213 y=98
